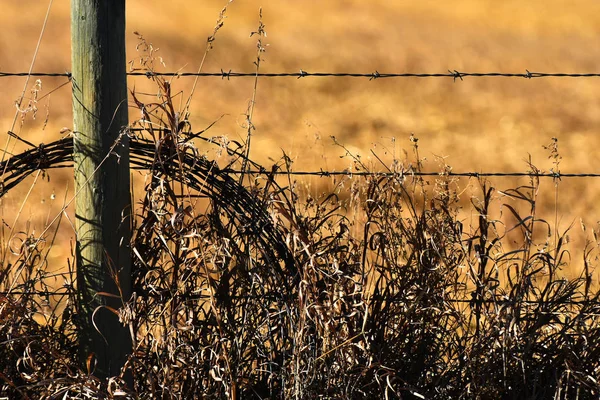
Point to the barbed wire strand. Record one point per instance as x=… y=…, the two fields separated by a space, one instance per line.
x=454 y=74
x=197 y=296
x=56 y=155
x=556 y=175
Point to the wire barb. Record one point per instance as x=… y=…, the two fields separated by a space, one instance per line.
x=225 y=74
x=456 y=74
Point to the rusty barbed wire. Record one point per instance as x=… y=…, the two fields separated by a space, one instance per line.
x=227 y=74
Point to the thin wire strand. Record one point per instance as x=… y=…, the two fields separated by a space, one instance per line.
x=453 y=74
x=184 y=296
x=555 y=175
x=58 y=154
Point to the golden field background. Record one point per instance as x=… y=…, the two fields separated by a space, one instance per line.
x=479 y=124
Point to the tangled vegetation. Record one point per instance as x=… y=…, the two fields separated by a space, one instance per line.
x=246 y=287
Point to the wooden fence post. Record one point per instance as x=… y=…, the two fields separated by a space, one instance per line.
x=103 y=206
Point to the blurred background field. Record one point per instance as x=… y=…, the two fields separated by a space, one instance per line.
x=479 y=124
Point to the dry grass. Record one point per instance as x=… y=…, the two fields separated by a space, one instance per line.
x=246 y=287
x=250 y=286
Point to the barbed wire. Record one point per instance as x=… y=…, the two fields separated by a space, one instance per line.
x=38 y=293
x=199 y=296
x=555 y=175
x=227 y=74
x=57 y=155
x=34 y=74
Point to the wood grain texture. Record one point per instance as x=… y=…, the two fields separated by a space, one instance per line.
x=103 y=200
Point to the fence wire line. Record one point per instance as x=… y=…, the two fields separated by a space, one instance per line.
x=186 y=296
x=223 y=74
x=555 y=175
x=56 y=155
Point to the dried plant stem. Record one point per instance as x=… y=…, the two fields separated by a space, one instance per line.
x=260 y=49
x=20 y=101
x=209 y=46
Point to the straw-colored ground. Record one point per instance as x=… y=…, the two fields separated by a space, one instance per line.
x=479 y=124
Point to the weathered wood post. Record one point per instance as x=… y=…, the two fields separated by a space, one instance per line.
x=103 y=204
